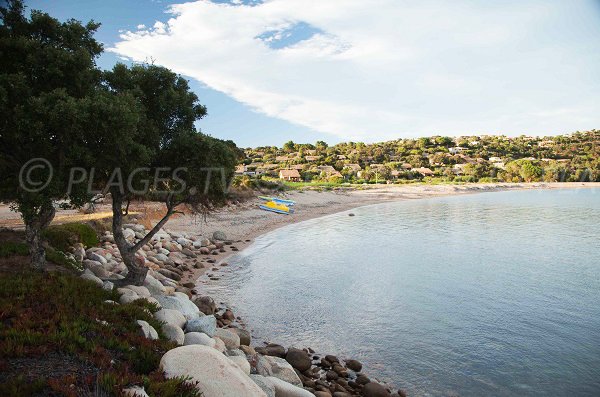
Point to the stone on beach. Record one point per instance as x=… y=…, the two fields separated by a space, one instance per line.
x=170 y=316
x=245 y=337
x=173 y=333
x=373 y=389
x=177 y=302
x=298 y=359
x=241 y=362
x=217 y=376
x=231 y=340
x=277 y=367
x=198 y=338
x=284 y=389
x=147 y=330
x=206 y=324
x=354 y=365
x=219 y=235
x=206 y=304
x=264 y=383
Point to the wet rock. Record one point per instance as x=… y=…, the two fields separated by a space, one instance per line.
x=206 y=304
x=373 y=389
x=272 y=350
x=245 y=337
x=277 y=367
x=298 y=359
x=354 y=365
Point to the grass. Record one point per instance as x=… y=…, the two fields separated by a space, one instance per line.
x=64 y=236
x=10 y=248
x=58 y=337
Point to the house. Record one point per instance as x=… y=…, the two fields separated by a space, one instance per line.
x=494 y=159
x=298 y=167
x=376 y=166
x=353 y=167
x=456 y=150
x=341 y=157
x=289 y=175
x=245 y=170
x=282 y=158
x=424 y=171
x=312 y=158
x=395 y=174
x=310 y=152
x=326 y=168
x=406 y=166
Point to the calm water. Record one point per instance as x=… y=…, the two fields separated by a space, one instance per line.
x=492 y=294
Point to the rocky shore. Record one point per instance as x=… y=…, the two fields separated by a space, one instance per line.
x=215 y=350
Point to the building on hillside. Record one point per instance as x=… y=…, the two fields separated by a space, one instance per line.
x=353 y=167
x=341 y=157
x=310 y=152
x=282 y=158
x=494 y=159
x=395 y=174
x=312 y=158
x=376 y=166
x=326 y=168
x=424 y=171
x=298 y=167
x=456 y=149
x=289 y=175
x=406 y=166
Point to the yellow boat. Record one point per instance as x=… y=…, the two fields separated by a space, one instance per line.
x=276 y=207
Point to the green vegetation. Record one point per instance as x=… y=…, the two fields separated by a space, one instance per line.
x=80 y=344
x=467 y=159
x=64 y=236
x=10 y=248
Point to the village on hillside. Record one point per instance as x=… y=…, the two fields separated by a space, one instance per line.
x=486 y=158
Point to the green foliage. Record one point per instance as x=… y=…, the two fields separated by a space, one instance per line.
x=62 y=259
x=64 y=236
x=10 y=248
x=47 y=313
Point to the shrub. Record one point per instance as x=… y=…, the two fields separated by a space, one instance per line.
x=64 y=236
x=10 y=248
x=62 y=259
x=51 y=318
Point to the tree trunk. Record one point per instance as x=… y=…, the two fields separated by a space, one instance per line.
x=34 y=225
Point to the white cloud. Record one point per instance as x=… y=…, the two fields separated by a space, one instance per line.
x=383 y=69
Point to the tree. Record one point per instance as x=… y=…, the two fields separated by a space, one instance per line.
x=48 y=85
x=289 y=146
x=162 y=157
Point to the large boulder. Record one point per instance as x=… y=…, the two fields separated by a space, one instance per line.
x=206 y=304
x=277 y=367
x=354 y=365
x=198 y=338
x=284 y=389
x=241 y=362
x=245 y=337
x=373 y=389
x=170 y=316
x=217 y=376
x=231 y=340
x=206 y=324
x=154 y=286
x=90 y=276
x=141 y=291
x=272 y=349
x=173 y=333
x=219 y=235
x=298 y=359
x=264 y=383
x=147 y=330
x=181 y=304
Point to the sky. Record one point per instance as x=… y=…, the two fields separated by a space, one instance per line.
x=354 y=70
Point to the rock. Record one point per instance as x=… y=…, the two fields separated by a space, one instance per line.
x=242 y=363
x=277 y=367
x=217 y=376
x=107 y=285
x=184 y=242
x=171 y=316
x=183 y=305
x=173 y=333
x=219 y=344
x=248 y=350
x=206 y=324
x=147 y=330
x=354 y=365
x=272 y=350
x=88 y=275
x=298 y=359
x=362 y=379
x=206 y=304
x=284 y=389
x=332 y=359
x=135 y=391
x=141 y=291
x=198 y=338
x=231 y=340
x=154 y=286
x=128 y=298
x=245 y=337
x=264 y=384
x=152 y=300
x=170 y=274
x=219 y=235
x=228 y=315
x=373 y=389
x=322 y=394
x=204 y=251
x=96 y=257
x=129 y=234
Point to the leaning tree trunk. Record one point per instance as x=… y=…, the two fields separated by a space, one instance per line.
x=34 y=226
x=136 y=269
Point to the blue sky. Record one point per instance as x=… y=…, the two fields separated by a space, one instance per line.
x=341 y=70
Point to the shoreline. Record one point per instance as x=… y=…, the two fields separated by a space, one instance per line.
x=244 y=223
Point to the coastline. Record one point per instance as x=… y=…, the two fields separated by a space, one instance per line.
x=243 y=223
